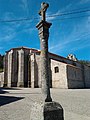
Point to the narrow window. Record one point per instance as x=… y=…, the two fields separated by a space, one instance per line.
x=56 y=69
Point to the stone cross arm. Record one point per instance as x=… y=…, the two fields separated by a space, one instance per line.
x=43 y=9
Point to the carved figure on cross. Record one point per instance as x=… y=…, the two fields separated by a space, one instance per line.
x=43 y=9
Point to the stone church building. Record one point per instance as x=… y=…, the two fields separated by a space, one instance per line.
x=22 y=69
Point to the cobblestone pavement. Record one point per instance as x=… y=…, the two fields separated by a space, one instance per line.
x=15 y=103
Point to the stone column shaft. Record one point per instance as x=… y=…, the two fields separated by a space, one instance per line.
x=5 y=70
x=43 y=28
x=10 y=68
x=32 y=70
x=44 y=68
x=21 y=68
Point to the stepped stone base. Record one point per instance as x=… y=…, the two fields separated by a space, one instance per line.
x=46 y=111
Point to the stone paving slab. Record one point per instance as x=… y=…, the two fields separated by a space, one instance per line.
x=15 y=104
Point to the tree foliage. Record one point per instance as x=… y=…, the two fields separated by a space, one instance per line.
x=85 y=62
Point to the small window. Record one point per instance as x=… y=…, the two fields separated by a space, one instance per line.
x=56 y=69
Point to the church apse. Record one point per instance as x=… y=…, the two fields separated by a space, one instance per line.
x=22 y=68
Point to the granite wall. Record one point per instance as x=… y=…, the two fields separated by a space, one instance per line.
x=1 y=79
x=59 y=75
x=75 y=77
x=87 y=76
x=22 y=68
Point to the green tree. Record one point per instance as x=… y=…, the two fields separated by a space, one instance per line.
x=85 y=62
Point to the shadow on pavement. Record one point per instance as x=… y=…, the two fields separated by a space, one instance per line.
x=2 y=91
x=8 y=99
x=4 y=88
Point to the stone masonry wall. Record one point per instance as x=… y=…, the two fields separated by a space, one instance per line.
x=32 y=70
x=23 y=68
x=1 y=79
x=59 y=76
x=75 y=77
x=26 y=67
x=87 y=76
x=14 y=69
x=35 y=71
x=5 y=70
x=38 y=69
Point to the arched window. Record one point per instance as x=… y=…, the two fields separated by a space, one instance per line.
x=56 y=69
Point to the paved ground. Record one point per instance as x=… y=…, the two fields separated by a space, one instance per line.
x=16 y=103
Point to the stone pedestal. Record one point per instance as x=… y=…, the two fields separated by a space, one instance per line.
x=47 y=111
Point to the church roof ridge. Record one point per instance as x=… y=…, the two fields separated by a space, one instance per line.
x=38 y=51
x=22 y=47
x=53 y=54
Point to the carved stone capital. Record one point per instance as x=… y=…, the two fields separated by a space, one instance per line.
x=43 y=28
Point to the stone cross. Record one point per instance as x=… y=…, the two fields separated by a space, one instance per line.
x=48 y=110
x=44 y=7
x=43 y=28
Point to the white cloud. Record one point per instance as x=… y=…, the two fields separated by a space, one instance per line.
x=80 y=47
x=8 y=34
x=50 y=16
x=8 y=16
x=72 y=6
x=9 y=37
x=65 y=9
x=8 y=30
x=69 y=43
x=80 y=36
x=24 y=6
x=29 y=30
x=84 y=1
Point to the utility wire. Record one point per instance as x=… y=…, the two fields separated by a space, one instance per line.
x=54 y=15
x=70 y=18
x=18 y=20
x=78 y=9
x=28 y=12
x=68 y=13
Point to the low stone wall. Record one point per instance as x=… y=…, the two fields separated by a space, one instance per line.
x=87 y=76
x=75 y=77
x=1 y=79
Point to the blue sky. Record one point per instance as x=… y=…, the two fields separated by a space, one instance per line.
x=68 y=33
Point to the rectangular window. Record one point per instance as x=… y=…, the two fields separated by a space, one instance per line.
x=56 y=69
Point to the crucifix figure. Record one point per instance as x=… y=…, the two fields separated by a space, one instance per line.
x=44 y=7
